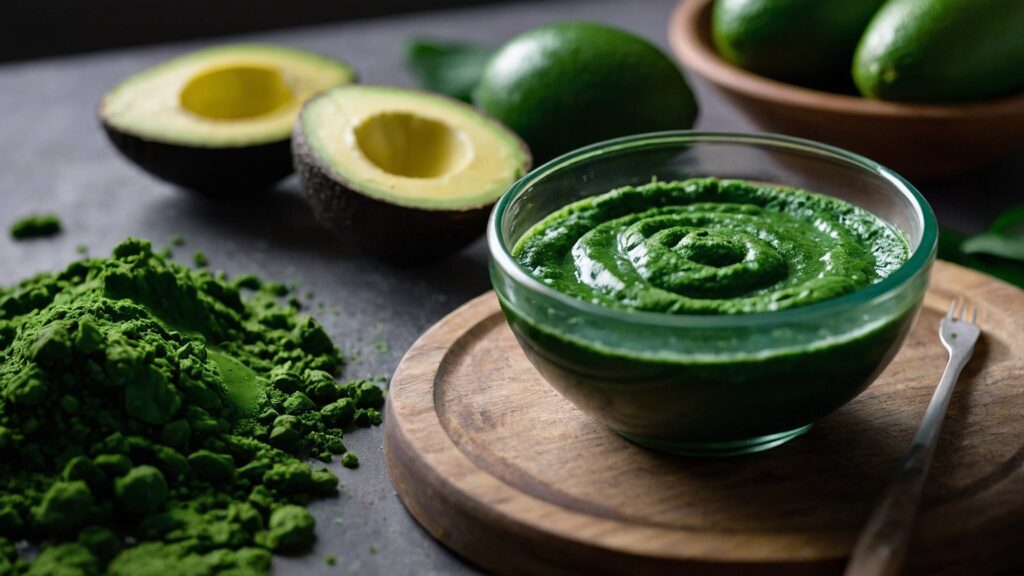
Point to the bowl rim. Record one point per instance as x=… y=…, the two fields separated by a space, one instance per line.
x=920 y=259
x=687 y=37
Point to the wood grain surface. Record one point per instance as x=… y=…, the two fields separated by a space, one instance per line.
x=500 y=468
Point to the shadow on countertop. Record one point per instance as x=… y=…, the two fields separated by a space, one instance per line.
x=282 y=218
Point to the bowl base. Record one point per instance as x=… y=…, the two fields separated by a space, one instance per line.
x=718 y=449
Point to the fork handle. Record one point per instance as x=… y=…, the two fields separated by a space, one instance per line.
x=882 y=545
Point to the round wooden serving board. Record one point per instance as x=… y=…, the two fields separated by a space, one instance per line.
x=499 y=467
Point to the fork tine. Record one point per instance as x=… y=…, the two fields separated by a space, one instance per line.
x=974 y=315
x=952 y=306
x=962 y=314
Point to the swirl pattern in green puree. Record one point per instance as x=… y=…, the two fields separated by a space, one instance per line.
x=704 y=246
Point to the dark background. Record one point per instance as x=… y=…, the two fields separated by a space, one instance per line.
x=35 y=28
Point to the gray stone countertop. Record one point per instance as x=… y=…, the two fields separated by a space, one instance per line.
x=56 y=159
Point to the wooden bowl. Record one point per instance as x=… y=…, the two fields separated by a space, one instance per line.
x=918 y=140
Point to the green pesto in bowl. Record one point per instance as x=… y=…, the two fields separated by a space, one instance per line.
x=704 y=246
x=713 y=316
x=693 y=347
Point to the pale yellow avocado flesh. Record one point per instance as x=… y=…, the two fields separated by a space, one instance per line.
x=236 y=95
x=236 y=92
x=404 y=144
x=412 y=148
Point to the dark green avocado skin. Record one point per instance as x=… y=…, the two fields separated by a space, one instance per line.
x=208 y=171
x=398 y=233
x=942 y=51
x=806 y=41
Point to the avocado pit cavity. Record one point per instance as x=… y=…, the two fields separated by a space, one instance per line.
x=236 y=92
x=402 y=173
x=412 y=146
x=218 y=121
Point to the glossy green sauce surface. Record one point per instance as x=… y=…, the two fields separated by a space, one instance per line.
x=704 y=246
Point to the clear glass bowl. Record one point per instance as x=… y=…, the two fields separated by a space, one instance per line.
x=711 y=385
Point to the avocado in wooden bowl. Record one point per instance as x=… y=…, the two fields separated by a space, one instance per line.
x=919 y=139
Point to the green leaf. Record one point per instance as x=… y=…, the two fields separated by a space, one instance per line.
x=1010 y=223
x=451 y=68
x=999 y=251
x=1009 y=247
x=1004 y=239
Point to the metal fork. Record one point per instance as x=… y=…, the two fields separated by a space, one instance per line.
x=882 y=545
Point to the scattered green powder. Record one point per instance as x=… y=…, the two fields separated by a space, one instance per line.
x=154 y=422
x=276 y=288
x=177 y=240
x=36 y=226
x=82 y=249
x=350 y=460
x=382 y=346
x=330 y=560
x=248 y=281
x=199 y=259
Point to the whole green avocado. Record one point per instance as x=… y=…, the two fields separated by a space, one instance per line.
x=942 y=51
x=791 y=39
x=569 y=84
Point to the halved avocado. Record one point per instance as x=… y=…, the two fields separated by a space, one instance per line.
x=218 y=120
x=403 y=172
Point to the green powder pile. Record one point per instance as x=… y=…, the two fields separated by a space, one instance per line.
x=35 y=226
x=152 y=421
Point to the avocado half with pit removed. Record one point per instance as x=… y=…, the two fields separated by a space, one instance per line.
x=403 y=172
x=218 y=120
